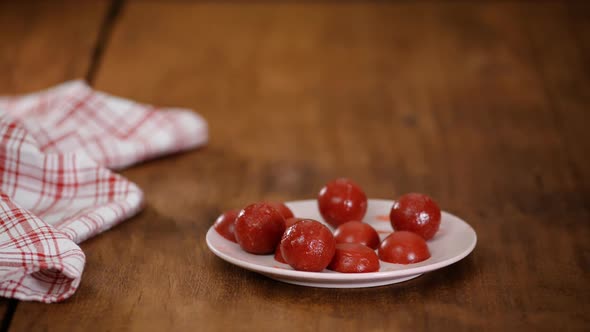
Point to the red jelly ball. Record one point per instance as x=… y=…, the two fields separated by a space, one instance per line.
x=357 y=232
x=308 y=245
x=342 y=200
x=259 y=228
x=224 y=225
x=403 y=247
x=354 y=258
x=282 y=208
x=291 y=221
x=278 y=253
x=416 y=213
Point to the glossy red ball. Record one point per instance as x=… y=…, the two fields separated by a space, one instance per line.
x=282 y=208
x=308 y=245
x=278 y=253
x=354 y=258
x=225 y=223
x=402 y=247
x=342 y=200
x=416 y=213
x=357 y=232
x=259 y=228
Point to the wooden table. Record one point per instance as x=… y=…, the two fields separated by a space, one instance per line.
x=483 y=105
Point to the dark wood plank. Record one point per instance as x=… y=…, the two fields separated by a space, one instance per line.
x=565 y=75
x=7 y=309
x=537 y=219
x=3 y=313
x=452 y=99
x=44 y=44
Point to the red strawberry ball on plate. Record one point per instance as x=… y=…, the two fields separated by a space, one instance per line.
x=225 y=223
x=291 y=221
x=282 y=208
x=416 y=213
x=308 y=245
x=354 y=258
x=342 y=200
x=259 y=228
x=357 y=232
x=278 y=253
x=403 y=247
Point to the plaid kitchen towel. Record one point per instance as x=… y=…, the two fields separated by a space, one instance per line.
x=56 y=187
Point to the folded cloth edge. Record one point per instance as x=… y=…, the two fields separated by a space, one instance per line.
x=68 y=273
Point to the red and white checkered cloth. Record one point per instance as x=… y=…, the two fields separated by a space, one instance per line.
x=56 y=189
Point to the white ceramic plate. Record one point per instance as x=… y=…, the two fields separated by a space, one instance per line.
x=454 y=240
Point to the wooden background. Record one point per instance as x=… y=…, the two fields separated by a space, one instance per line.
x=483 y=105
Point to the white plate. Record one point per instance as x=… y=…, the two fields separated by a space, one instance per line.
x=454 y=240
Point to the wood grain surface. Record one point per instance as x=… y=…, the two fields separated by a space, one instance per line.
x=484 y=106
x=44 y=44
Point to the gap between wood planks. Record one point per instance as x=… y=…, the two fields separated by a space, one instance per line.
x=10 y=309
x=103 y=37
